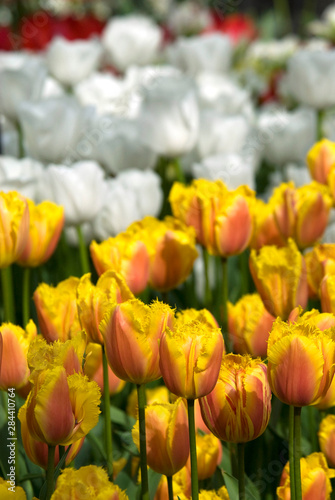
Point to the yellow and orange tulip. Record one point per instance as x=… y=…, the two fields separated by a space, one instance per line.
x=209 y=454
x=190 y=357
x=280 y=278
x=14 y=227
x=320 y=159
x=326 y=437
x=319 y=262
x=94 y=370
x=45 y=228
x=238 y=408
x=266 y=231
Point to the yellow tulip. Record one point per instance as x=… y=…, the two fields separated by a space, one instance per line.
x=190 y=357
x=17 y=493
x=209 y=455
x=280 y=278
x=202 y=315
x=301 y=361
x=319 y=262
x=315 y=479
x=320 y=159
x=238 y=408
x=14 y=227
x=326 y=436
x=265 y=230
x=45 y=228
x=158 y=394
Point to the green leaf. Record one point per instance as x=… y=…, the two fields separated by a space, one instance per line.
x=120 y=417
x=154 y=479
x=231 y=484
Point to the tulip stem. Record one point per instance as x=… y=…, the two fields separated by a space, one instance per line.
x=8 y=294
x=170 y=487
x=297 y=452
x=208 y=291
x=84 y=259
x=25 y=296
x=50 y=471
x=193 y=450
x=291 y=452
x=143 y=442
x=241 y=481
x=320 y=117
x=244 y=268
x=108 y=422
x=224 y=303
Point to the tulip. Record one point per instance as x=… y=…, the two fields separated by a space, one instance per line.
x=72 y=400
x=326 y=436
x=90 y=482
x=221 y=494
x=327 y=293
x=265 y=231
x=167 y=436
x=300 y=362
x=328 y=400
x=14 y=228
x=46 y=224
x=203 y=316
x=320 y=159
x=57 y=309
x=14 y=344
x=190 y=357
x=221 y=218
x=302 y=213
x=280 y=278
x=19 y=492
x=181 y=485
x=126 y=255
x=131 y=332
x=93 y=368
x=171 y=249
x=158 y=394
x=319 y=262
x=315 y=479
x=238 y=408
x=20 y=174
x=37 y=451
x=249 y=325
x=209 y=455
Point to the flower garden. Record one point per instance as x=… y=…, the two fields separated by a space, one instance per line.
x=167 y=251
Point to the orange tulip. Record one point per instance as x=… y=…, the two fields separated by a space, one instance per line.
x=319 y=262
x=249 y=325
x=190 y=357
x=158 y=394
x=315 y=479
x=203 y=315
x=326 y=436
x=46 y=225
x=14 y=344
x=327 y=293
x=209 y=455
x=221 y=218
x=280 y=278
x=131 y=333
x=238 y=408
x=320 y=159
x=94 y=370
x=300 y=362
x=266 y=230
x=125 y=254
x=166 y=436
x=181 y=485
x=302 y=213
x=57 y=309
x=14 y=227
x=171 y=248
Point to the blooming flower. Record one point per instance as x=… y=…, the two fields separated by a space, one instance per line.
x=14 y=227
x=238 y=408
x=320 y=159
x=326 y=436
x=320 y=261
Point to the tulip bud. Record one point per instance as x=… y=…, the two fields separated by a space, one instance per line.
x=319 y=262
x=326 y=436
x=209 y=455
x=238 y=408
x=167 y=431
x=266 y=230
x=190 y=357
x=280 y=278
x=320 y=159
x=14 y=230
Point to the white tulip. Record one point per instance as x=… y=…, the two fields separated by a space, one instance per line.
x=120 y=146
x=22 y=78
x=81 y=189
x=169 y=116
x=299 y=174
x=52 y=128
x=310 y=78
x=212 y=52
x=21 y=175
x=219 y=133
x=233 y=169
x=189 y=18
x=286 y=136
x=132 y=39
x=52 y=88
x=9 y=138
x=71 y=62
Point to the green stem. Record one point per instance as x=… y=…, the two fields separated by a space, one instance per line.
x=291 y=452
x=283 y=14
x=193 y=450
x=241 y=481
x=320 y=117
x=297 y=452
x=179 y=174
x=20 y=135
x=313 y=428
x=170 y=487
x=50 y=472
x=84 y=259
x=26 y=296
x=224 y=302
x=208 y=291
x=244 y=268
x=8 y=294
x=108 y=422
x=143 y=442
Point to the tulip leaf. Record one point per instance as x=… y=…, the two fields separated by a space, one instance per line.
x=154 y=479
x=232 y=486
x=127 y=441
x=124 y=481
x=59 y=466
x=121 y=418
